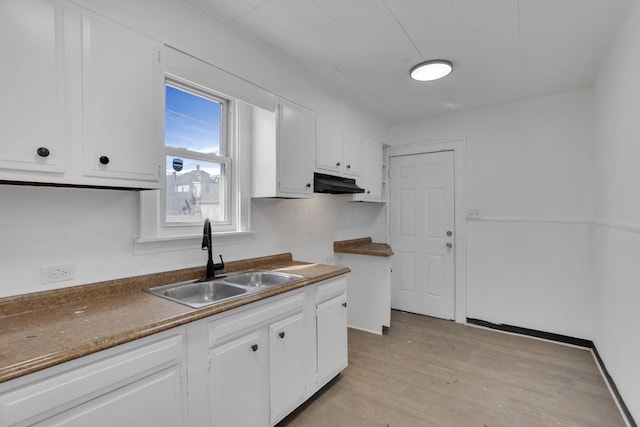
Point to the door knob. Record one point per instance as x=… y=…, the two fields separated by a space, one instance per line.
x=449 y=245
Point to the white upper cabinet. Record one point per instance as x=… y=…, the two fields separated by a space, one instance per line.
x=282 y=151
x=338 y=148
x=352 y=149
x=328 y=145
x=32 y=87
x=82 y=98
x=372 y=175
x=122 y=87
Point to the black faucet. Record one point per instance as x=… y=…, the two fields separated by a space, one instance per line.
x=207 y=244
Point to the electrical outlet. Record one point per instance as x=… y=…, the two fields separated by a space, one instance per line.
x=57 y=273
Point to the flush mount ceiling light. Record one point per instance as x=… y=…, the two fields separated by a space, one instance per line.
x=431 y=70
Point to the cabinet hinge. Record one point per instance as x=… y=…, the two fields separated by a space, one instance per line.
x=158 y=56
x=209 y=362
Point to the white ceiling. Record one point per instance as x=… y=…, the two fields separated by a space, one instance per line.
x=502 y=50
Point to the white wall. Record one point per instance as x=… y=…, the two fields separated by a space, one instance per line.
x=180 y=26
x=528 y=172
x=616 y=239
x=95 y=231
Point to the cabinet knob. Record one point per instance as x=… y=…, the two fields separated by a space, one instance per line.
x=281 y=334
x=348 y=166
x=308 y=185
x=43 y=151
x=104 y=160
x=337 y=164
x=368 y=191
x=254 y=347
x=344 y=304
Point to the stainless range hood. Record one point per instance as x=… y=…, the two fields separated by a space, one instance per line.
x=330 y=184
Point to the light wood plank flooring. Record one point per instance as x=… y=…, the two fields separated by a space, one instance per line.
x=430 y=372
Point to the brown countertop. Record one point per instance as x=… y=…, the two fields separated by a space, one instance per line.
x=44 y=329
x=363 y=246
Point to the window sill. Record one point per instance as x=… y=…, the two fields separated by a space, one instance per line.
x=149 y=245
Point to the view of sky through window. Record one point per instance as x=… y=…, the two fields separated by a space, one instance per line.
x=194 y=176
x=192 y=122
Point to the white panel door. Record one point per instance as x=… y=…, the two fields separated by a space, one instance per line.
x=422 y=234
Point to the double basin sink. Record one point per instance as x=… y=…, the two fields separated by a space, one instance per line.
x=201 y=293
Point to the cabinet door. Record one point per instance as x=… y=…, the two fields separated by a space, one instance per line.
x=328 y=145
x=238 y=381
x=122 y=101
x=287 y=356
x=372 y=176
x=331 y=318
x=139 y=384
x=353 y=150
x=296 y=143
x=31 y=84
x=152 y=401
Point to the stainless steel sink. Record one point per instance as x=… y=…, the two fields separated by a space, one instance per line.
x=202 y=293
x=261 y=278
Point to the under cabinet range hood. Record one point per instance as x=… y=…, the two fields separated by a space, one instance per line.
x=323 y=183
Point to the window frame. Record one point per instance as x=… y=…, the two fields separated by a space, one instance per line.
x=228 y=118
x=152 y=225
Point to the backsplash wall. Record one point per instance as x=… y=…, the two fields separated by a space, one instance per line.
x=95 y=230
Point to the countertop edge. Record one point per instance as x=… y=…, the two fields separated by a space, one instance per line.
x=362 y=246
x=87 y=347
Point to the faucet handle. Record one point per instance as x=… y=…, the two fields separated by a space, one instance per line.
x=220 y=266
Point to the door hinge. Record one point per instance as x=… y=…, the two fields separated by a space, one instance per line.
x=209 y=361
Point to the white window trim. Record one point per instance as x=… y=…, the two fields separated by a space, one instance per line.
x=152 y=230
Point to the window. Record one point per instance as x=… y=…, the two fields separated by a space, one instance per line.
x=197 y=156
x=207 y=156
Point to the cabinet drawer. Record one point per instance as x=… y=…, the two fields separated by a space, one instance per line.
x=58 y=393
x=225 y=329
x=331 y=289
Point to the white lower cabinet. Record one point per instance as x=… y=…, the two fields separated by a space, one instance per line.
x=331 y=326
x=286 y=356
x=238 y=378
x=250 y=366
x=256 y=368
x=267 y=358
x=139 y=383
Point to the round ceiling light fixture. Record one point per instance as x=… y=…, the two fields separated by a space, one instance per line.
x=431 y=70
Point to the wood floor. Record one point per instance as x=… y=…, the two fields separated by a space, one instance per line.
x=430 y=372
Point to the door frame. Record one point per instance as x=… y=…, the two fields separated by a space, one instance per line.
x=458 y=146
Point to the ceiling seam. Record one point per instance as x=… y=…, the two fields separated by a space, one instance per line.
x=343 y=29
x=403 y=29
